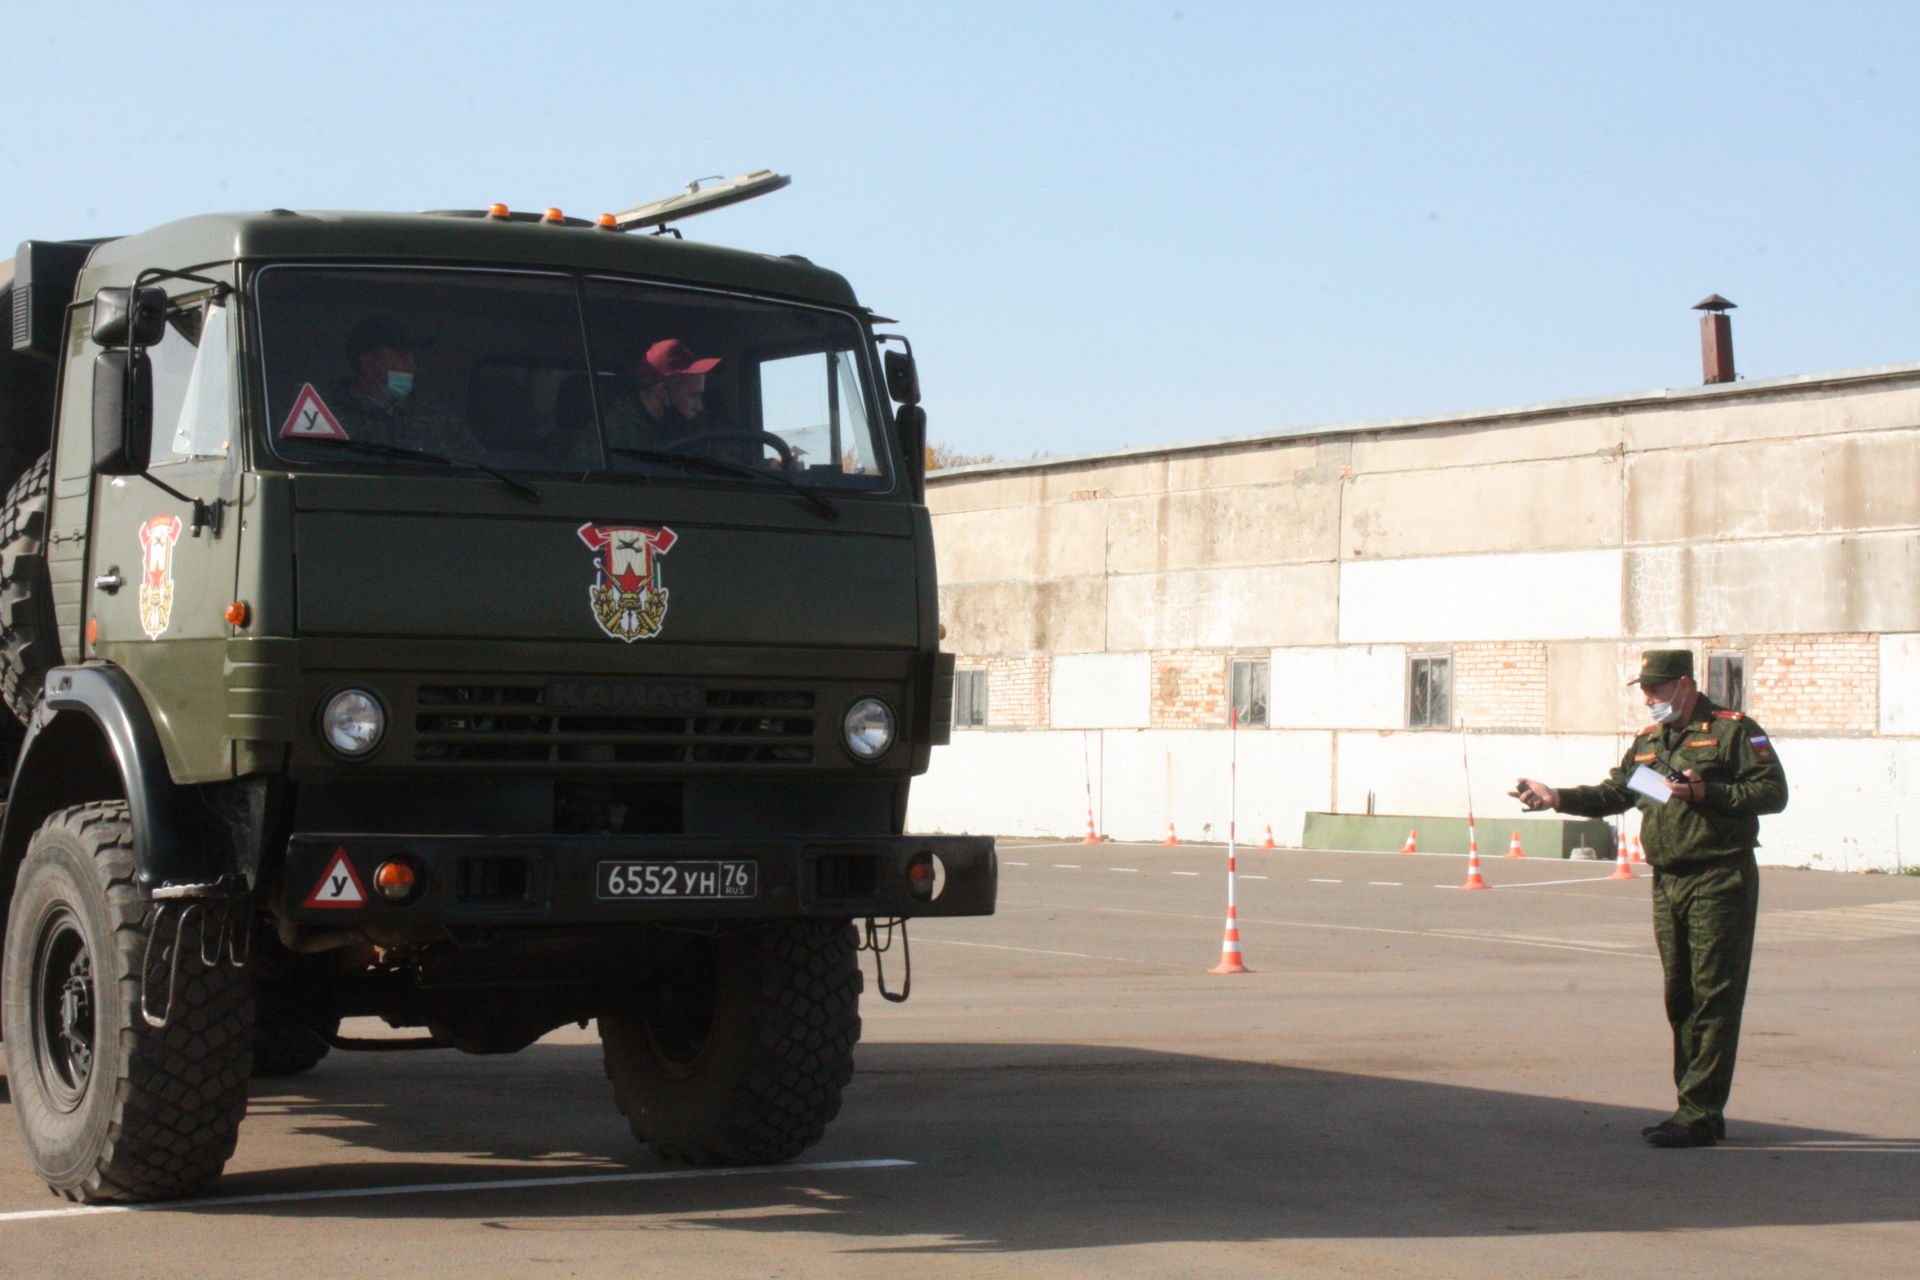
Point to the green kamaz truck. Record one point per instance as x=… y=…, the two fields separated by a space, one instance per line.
x=477 y=621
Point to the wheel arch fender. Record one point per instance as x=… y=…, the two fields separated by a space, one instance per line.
x=92 y=738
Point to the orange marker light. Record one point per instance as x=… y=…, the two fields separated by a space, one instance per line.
x=496 y=211
x=606 y=222
x=239 y=614
x=553 y=215
x=394 y=880
x=93 y=631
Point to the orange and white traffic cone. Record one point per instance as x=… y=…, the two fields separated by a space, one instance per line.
x=1413 y=842
x=1171 y=838
x=1473 y=867
x=1635 y=853
x=1091 y=837
x=1622 y=869
x=1268 y=842
x=1230 y=946
x=1513 y=847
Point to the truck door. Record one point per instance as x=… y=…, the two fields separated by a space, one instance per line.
x=159 y=587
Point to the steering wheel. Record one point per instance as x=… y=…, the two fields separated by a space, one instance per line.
x=701 y=443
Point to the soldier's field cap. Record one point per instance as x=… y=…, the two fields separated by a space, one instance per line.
x=1657 y=666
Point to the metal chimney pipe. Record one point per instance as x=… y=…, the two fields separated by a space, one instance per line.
x=1716 y=339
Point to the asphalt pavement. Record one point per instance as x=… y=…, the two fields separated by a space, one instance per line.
x=1414 y=1081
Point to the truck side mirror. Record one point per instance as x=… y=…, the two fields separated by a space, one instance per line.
x=911 y=423
x=122 y=412
x=903 y=378
x=130 y=317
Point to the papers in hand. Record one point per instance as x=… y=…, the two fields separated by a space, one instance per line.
x=1651 y=785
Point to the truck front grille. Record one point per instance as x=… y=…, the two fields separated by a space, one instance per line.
x=612 y=722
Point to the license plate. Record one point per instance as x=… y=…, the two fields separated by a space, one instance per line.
x=680 y=881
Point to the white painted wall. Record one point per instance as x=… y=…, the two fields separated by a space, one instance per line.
x=1569 y=595
x=1900 y=684
x=1855 y=802
x=1360 y=687
x=1101 y=691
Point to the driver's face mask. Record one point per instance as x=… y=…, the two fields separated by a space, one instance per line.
x=399 y=383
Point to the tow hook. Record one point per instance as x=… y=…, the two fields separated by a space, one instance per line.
x=877 y=937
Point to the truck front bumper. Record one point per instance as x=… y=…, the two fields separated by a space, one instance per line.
x=335 y=881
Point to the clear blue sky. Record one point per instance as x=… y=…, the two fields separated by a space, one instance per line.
x=1102 y=223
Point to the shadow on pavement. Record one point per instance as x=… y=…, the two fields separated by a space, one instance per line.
x=1053 y=1146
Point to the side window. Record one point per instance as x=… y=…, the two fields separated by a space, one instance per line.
x=1727 y=680
x=204 y=423
x=1429 y=691
x=1249 y=689
x=970 y=698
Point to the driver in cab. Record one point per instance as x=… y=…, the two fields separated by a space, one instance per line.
x=378 y=400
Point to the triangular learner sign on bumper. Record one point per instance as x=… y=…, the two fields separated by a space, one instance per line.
x=339 y=885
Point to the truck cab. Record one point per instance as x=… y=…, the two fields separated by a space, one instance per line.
x=477 y=621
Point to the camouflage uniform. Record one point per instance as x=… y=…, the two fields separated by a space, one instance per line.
x=412 y=422
x=1706 y=887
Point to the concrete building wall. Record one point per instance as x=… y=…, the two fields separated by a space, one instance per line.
x=1537 y=549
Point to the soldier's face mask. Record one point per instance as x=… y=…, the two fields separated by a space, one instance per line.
x=399 y=383
x=1670 y=710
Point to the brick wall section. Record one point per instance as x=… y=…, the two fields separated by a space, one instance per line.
x=1816 y=683
x=1189 y=689
x=1500 y=686
x=1018 y=693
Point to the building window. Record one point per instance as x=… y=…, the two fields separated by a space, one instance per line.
x=1727 y=680
x=1249 y=689
x=970 y=697
x=1430 y=691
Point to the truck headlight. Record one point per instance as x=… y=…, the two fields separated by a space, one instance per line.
x=869 y=729
x=353 y=722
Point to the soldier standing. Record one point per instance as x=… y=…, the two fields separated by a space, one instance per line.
x=1723 y=776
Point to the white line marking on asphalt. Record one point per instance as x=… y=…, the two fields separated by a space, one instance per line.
x=1186 y=873
x=1066 y=866
x=1313 y=881
x=1245 y=876
x=1338 y=928
x=440 y=1188
x=1040 y=951
x=1386 y=884
x=1009 y=862
x=1054 y=845
x=1134 y=870
x=1535 y=884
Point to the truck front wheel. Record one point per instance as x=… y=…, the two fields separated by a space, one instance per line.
x=736 y=1052
x=110 y=1107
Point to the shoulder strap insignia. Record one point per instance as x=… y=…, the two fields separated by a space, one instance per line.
x=1729 y=715
x=1649 y=730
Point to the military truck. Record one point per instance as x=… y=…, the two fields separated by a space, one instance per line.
x=481 y=699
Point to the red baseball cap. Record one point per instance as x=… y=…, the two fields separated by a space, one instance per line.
x=669 y=358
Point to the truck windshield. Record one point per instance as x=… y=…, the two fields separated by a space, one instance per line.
x=558 y=375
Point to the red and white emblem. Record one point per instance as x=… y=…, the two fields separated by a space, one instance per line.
x=628 y=601
x=157 y=538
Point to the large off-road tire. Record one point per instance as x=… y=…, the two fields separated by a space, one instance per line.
x=111 y=1108
x=29 y=636
x=736 y=1053
x=286 y=1048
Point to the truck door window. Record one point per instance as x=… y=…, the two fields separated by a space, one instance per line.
x=204 y=425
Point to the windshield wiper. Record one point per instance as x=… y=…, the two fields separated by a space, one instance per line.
x=695 y=461
x=520 y=487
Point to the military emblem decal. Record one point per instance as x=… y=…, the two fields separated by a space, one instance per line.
x=157 y=537
x=628 y=601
